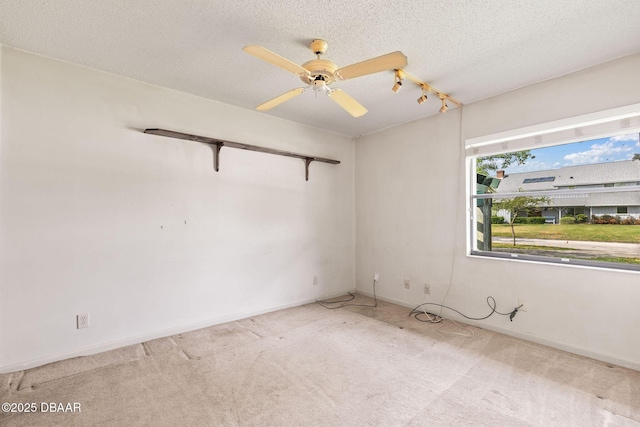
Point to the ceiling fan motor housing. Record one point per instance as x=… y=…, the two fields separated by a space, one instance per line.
x=319 y=67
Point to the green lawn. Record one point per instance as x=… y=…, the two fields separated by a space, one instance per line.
x=585 y=232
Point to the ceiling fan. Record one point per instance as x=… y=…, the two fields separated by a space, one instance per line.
x=320 y=73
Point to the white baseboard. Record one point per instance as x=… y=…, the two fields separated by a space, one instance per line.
x=99 y=348
x=527 y=337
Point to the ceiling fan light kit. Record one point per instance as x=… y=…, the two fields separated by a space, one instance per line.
x=319 y=74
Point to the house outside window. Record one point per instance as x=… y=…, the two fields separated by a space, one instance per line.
x=577 y=210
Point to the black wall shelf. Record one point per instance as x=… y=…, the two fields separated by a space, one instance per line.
x=219 y=143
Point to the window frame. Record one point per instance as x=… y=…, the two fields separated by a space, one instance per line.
x=528 y=138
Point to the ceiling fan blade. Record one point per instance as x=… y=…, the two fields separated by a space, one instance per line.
x=280 y=99
x=386 y=62
x=275 y=59
x=344 y=100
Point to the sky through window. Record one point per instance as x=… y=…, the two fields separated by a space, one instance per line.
x=601 y=150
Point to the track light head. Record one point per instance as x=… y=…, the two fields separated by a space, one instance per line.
x=444 y=107
x=423 y=98
x=398 y=81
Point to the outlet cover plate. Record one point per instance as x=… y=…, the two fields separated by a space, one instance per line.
x=82 y=320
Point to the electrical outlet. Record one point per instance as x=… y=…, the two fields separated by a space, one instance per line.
x=376 y=277
x=522 y=303
x=315 y=280
x=427 y=289
x=82 y=320
x=407 y=283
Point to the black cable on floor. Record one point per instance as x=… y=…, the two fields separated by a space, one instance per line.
x=434 y=319
x=375 y=299
x=490 y=300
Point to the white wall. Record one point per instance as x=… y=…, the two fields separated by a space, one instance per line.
x=92 y=216
x=139 y=230
x=410 y=223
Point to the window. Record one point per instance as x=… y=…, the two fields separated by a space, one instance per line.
x=564 y=194
x=543 y=179
x=578 y=210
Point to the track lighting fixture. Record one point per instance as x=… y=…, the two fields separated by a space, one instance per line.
x=398 y=81
x=401 y=74
x=423 y=98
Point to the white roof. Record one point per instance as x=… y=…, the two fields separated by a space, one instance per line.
x=627 y=171
x=598 y=173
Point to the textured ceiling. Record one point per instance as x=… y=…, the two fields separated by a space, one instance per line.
x=469 y=49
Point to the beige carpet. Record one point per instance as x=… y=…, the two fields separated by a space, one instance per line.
x=309 y=366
